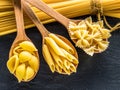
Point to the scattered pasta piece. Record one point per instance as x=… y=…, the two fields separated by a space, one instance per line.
x=90 y=36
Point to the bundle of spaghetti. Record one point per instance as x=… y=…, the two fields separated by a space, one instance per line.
x=68 y=8
x=7 y=18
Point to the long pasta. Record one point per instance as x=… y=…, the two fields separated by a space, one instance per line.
x=69 y=8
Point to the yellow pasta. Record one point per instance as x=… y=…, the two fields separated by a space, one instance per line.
x=67 y=71
x=58 y=69
x=69 y=8
x=28 y=46
x=34 y=63
x=70 y=57
x=72 y=67
x=56 y=58
x=66 y=64
x=25 y=56
x=53 y=45
x=90 y=50
x=17 y=50
x=52 y=49
x=92 y=37
x=61 y=43
x=29 y=73
x=24 y=63
x=20 y=72
x=48 y=58
x=13 y=63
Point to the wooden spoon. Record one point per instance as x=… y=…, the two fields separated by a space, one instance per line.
x=59 y=17
x=21 y=36
x=42 y=29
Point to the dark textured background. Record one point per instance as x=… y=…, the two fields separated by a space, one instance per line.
x=100 y=72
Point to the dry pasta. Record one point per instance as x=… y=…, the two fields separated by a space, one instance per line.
x=48 y=58
x=58 y=53
x=92 y=37
x=69 y=8
x=61 y=43
x=24 y=62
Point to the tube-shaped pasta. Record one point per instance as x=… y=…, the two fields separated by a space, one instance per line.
x=53 y=45
x=72 y=67
x=70 y=57
x=58 y=52
x=66 y=64
x=58 y=68
x=56 y=58
x=48 y=58
x=67 y=71
x=61 y=43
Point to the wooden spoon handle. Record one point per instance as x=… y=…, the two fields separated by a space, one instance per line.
x=19 y=17
x=45 y=8
x=34 y=18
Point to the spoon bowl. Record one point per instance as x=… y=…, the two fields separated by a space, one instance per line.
x=45 y=33
x=21 y=36
x=97 y=46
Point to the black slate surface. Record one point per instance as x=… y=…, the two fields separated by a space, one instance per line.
x=100 y=72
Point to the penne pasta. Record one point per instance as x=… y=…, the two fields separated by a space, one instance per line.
x=58 y=69
x=72 y=67
x=61 y=43
x=66 y=64
x=67 y=71
x=70 y=57
x=53 y=45
x=56 y=58
x=48 y=58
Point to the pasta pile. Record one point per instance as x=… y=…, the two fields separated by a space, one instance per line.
x=59 y=56
x=68 y=8
x=92 y=37
x=23 y=63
